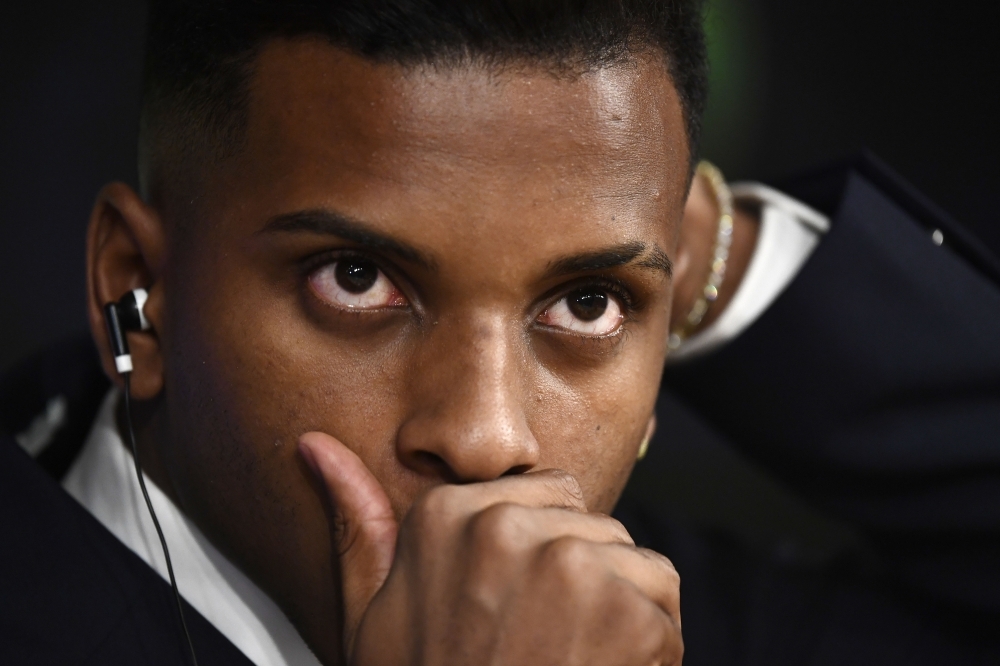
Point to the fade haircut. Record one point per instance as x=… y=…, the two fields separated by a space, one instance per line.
x=200 y=54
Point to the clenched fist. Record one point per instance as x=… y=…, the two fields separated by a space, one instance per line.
x=512 y=571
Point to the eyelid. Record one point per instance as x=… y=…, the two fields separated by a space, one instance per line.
x=619 y=289
x=615 y=287
x=330 y=256
x=317 y=260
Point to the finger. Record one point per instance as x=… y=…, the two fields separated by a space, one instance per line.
x=364 y=526
x=638 y=594
x=664 y=643
x=653 y=574
x=548 y=523
x=502 y=527
x=545 y=489
x=656 y=579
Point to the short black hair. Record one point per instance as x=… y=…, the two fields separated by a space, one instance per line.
x=200 y=53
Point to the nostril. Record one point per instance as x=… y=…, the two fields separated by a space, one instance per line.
x=431 y=464
x=517 y=469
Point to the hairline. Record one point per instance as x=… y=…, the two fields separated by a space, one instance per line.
x=198 y=138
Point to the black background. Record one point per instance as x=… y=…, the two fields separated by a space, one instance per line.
x=795 y=84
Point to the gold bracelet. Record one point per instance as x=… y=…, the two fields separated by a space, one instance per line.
x=720 y=253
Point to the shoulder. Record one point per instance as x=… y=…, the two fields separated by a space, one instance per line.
x=48 y=402
x=864 y=185
x=72 y=593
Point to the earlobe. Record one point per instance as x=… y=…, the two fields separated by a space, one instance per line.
x=647 y=438
x=126 y=244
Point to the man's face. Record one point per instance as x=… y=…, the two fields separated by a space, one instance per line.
x=459 y=272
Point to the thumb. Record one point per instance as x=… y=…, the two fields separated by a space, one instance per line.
x=364 y=527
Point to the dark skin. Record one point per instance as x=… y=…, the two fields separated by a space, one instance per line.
x=406 y=344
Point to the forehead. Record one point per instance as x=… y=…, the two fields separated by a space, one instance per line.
x=621 y=108
x=512 y=152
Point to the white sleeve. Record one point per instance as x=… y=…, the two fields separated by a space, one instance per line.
x=789 y=232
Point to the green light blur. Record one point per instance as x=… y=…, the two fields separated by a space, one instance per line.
x=737 y=83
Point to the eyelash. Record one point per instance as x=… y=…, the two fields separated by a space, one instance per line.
x=619 y=289
x=629 y=304
x=320 y=259
x=614 y=286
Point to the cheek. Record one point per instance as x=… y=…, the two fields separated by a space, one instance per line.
x=248 y=376
x=282 y=378
x=593 y=431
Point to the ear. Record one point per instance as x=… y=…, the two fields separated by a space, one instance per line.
x=694 y=248
x=126 y=246
x=696 y=252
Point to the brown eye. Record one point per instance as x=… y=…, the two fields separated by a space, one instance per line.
x=588 y=311
x=356 y=284
x=587 y=305
x=356 y=276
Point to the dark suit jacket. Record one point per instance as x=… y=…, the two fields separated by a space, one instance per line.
x=70 y=592
x=871 y=388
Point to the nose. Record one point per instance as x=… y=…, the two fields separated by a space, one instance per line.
x=468 y=421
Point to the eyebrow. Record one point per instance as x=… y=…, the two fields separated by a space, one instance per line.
x=332 y=223
x=613 y=257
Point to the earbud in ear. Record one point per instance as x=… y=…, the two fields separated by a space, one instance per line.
x=125 y=315
x=121 y=317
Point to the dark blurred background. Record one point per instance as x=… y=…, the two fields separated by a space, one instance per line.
x=795 y=84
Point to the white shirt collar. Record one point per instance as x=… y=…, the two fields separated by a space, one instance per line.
x=789 y=233
x=103 y=480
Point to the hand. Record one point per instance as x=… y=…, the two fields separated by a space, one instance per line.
x=513 y=571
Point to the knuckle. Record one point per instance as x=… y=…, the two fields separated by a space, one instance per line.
x=668 y=588
x=667 y=567
x=618 y=531
x=567 y=558
x=635 y=620
x=495 y=529
x=430 y=510
x=654 y=635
